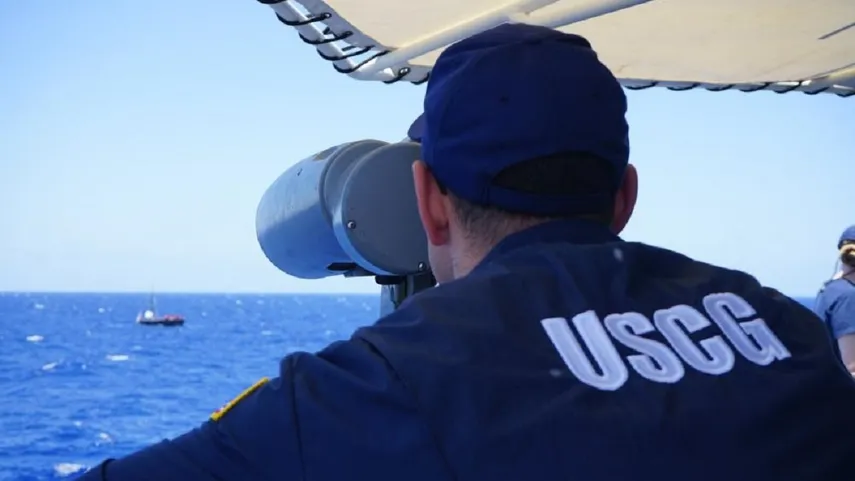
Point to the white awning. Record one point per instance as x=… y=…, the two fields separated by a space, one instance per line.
x=780 y=45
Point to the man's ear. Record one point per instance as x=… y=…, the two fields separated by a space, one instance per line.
x=625 y=200
x=432 y=204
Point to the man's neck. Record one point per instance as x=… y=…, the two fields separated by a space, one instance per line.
x=463 y=263
x=476 y=250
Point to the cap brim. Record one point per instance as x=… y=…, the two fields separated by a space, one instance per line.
x=417 y=129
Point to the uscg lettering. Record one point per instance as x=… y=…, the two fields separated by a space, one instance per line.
x=656 y=361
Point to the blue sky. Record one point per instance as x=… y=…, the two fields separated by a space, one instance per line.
x=137 y=138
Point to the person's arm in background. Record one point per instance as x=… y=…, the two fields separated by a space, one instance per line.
x=842 y=323
x=320 y=405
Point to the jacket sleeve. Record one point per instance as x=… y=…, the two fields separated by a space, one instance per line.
x=328 y=415
x=251 y=438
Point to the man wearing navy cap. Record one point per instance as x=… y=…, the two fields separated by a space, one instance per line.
x=551 y=349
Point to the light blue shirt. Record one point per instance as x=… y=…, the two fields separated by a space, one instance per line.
x=835 y=305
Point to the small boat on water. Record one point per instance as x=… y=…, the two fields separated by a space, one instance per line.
x=149 y=316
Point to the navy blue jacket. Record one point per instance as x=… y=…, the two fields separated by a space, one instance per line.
x=567 y=354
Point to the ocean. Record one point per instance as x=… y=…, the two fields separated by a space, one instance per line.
x=80 y=381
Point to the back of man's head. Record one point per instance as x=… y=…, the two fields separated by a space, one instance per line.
x=524 y=124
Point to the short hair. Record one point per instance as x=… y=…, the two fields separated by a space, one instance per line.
x=572 y=173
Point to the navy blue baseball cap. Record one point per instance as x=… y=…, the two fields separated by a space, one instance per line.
x=515 y=93
x=848 y=235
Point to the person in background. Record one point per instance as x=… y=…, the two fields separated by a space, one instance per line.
x=552 y=349
x=835 y=303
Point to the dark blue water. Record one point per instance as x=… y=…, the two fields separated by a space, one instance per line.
x=80 y=381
